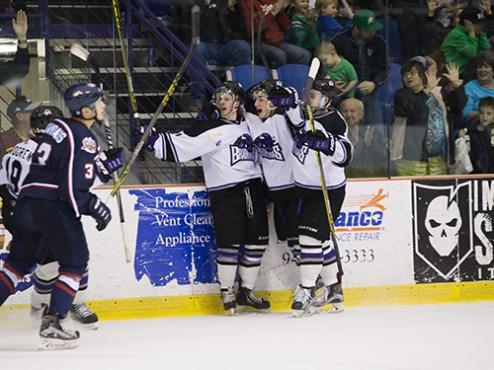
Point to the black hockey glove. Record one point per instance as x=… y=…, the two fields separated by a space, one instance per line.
x=283 y=97
x=109 y=161
x=317 y=141
x=100 y=212
x=209 y=113
x=8 y=204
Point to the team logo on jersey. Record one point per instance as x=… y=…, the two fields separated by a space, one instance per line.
x=89 y=145
x=300 y=152
x=242 y=150
x=267 y=148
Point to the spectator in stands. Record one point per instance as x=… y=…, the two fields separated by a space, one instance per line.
x=481 y=138
x=419 y=140
x=464 y=42
x=270 y=21
x=19 y=111
x=327 y=25
x=369 y=149
x=223 y=39
x=488 y=22
x=19 y=67
x=338 y=69
x=481 y=87
x=303 y=30
x=367 y=52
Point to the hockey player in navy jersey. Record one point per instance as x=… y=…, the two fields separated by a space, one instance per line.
x=317 y=255
x=273 y=141
x=234 y=183
x=54 y=196
x=15 y=167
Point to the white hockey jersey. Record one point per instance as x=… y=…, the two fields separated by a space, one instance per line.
x=306 y=170
x=15 y=166
x=226 y=150
x=274 y=144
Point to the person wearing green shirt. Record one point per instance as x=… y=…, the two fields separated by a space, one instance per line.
x=465 y=40
x=303 y=27
x=338 y=69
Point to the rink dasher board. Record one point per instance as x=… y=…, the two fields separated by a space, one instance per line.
x=383 y=241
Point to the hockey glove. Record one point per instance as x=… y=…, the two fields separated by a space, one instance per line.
x=109 y=161
x=283 y=97
x=317 y=141
x=209 y=113
x=100 y=212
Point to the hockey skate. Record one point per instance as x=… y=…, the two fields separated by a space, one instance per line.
x=246 y=300
x=333 y=295
x=302 y=299
x=81 y=314
x=54 y=336
x=229 y=302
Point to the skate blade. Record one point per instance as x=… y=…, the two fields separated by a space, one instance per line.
x=231 y=312
x=249 y=309
x=80 y=325
x=53 y=344
x=309 y=311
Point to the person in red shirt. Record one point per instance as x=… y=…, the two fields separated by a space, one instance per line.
x=269 y=17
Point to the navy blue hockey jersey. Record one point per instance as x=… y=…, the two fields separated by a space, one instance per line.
x=63 y=165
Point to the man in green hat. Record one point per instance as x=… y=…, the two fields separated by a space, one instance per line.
x=367 y=51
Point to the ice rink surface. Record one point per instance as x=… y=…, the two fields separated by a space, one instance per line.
x=425 y=337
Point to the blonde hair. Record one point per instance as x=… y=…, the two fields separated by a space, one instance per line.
x=325 y=48
x=322 y=3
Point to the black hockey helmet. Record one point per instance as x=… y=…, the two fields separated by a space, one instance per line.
x=81 y=95
x=325 y=86
x=42 y=115
x=233 y=88
x=264 y=86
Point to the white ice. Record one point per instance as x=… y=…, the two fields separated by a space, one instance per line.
x=426 y=337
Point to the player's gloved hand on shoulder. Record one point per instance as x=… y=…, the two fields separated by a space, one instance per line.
x=100 y=212
x=324 y=143
x=208 y=113
x=283 y=97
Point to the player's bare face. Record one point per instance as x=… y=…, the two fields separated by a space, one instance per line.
x=263 y=106
x=228 y=106
x=100 y=106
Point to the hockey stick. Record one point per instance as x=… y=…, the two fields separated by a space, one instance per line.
x=83 y=54
x=314 y=68
x=194 y=42
x=123 y=49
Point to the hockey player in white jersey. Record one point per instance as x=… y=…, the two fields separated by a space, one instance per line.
x=15 y=167
x=317 y=256
x=273 y=141
x=234 y=183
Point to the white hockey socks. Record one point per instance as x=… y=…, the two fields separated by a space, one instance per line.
x=329 y=273
x=250 y=264
x=310 y=260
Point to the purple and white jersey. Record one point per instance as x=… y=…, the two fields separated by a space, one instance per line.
x=274 y=144
x=225 y=147
x=306 y=170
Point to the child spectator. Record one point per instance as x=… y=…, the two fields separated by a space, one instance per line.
x=338 y=69
x=466 y=39
x=303 y=28
x=481 y=139
x=327 y=25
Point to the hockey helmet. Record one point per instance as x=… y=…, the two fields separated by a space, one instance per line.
x=42 y=115
x=263 y=87
x=81 y=95
x=230 y=87
x=325 y=86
